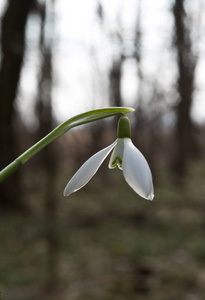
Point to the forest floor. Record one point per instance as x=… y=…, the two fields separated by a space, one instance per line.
x=112 y=244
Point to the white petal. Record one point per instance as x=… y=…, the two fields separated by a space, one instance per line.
x=87 y=170
x=136 y=171
x=117 y=155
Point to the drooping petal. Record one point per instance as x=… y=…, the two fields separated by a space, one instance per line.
x=136 y=171
x=117 y=155
x=87 y=170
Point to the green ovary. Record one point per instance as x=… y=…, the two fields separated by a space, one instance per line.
x=124 y=130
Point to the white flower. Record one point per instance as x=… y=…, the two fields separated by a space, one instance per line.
x=128 y=158
x=134 y=166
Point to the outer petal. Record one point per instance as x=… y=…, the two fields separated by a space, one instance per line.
x=136 y=171
x=87 y=170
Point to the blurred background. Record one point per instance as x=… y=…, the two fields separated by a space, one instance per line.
x=60 y=58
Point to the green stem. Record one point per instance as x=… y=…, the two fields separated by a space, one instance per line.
x=81 y=119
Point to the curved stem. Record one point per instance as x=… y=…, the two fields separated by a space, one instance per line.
x=80 y=119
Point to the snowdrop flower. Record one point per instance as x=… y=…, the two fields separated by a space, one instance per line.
x=126 y=157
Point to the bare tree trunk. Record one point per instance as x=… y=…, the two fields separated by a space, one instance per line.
x=13 y=46
x=139 y=113
x=48 y=155
x=115 y=83
x=186 y=61
x=115 y=76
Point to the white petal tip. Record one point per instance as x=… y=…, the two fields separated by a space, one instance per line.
x=150 y=197
x=65 y=194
